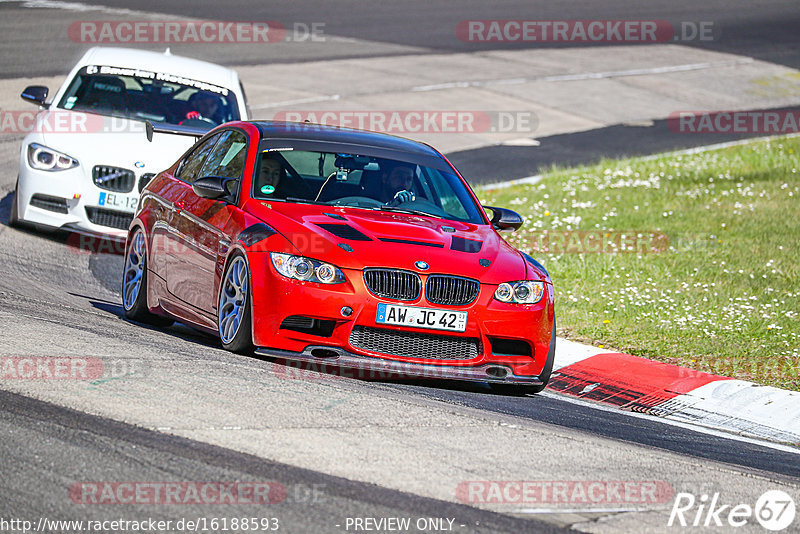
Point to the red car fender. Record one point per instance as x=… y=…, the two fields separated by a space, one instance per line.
x=236 y=248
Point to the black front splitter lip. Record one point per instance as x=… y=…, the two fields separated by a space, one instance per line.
x=380 y=368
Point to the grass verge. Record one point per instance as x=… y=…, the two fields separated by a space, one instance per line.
x=690 y=259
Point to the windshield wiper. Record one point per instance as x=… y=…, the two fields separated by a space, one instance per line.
x=289 y=199
x=303 y=201
x=409 y=211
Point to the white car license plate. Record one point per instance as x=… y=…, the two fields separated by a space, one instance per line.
x=118 y=200
x=454 y=321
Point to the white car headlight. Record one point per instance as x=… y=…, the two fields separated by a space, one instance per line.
x=522 y=292
x=306 y=269
x=46 y=159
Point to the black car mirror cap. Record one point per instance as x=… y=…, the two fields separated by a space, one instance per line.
x=35 y=94
x=145 y=179
x=505 y=219
x=211 y=187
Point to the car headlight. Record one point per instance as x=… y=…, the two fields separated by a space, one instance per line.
x=306 y=269
x=523 y=292
x=46 y=159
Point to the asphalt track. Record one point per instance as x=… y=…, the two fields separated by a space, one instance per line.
x=549 y=409
x=763 y=30
x=51 y=296
x=44 y=444
x=47 y=448
x=581 y=148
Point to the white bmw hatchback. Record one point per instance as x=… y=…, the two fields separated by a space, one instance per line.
x=87 y=158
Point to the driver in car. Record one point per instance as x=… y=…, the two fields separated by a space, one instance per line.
x=396 y=186
x=270 y=176
x=204 y=106
x=273 y=180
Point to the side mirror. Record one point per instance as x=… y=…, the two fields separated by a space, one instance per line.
x=505 y=219
x=211 y=187
x=145 y=179
x=35 y=94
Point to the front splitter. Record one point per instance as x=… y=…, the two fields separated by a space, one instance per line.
x=378 y=368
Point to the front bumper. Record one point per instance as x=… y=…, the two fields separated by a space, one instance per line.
x=71 y=201
x=276 y=298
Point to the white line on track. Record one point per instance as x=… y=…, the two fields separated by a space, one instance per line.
x=536 y=178
x=310 y=100
x=586 y=75
x=71 y=6
x=528 y=180
x=700 y=149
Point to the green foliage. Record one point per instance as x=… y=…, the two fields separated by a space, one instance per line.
x=713 y=278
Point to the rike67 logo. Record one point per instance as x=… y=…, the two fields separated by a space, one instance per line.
x=774 y=510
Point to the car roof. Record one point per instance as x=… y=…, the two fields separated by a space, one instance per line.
x=339 y=135
x=165 y=62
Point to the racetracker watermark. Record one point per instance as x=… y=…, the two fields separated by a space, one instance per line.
x=587 y=492
x=64 y=122
x=89 y=244
x=312 y=245
x=777 y=367
x=212 y=492
x=763 y=122
x=193 y=524
x=193 y=32
x=596 y=242
x=395 y=371
x=416 y=121
x=584 y=31
x=50 y=368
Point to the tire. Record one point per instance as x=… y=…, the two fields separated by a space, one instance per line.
x=134 y=283
x=13 y=216
x=234 y=316
x=544 y=376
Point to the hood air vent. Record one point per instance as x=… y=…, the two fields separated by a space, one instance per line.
x=344 y=231
x=465 y=245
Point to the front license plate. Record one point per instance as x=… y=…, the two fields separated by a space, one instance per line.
x=454 y=321
x=118 y=200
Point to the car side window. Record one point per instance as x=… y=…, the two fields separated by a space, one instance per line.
x=227 y=159
x=191 y=164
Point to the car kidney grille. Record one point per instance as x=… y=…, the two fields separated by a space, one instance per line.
x=451 y=290
x=114 y=219
x=414 y=344
x=113 y=178
x=393 y=283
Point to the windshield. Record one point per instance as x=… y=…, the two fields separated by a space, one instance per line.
x=144 y=95
x=363 y=181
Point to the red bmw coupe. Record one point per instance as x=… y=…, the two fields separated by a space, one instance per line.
x=344 y=247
